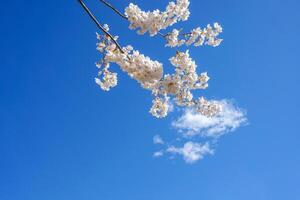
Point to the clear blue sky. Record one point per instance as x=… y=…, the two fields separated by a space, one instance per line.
x=63 y=138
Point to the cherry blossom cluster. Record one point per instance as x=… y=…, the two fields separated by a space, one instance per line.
x=141 y=68
x=180 y=86
x=154 y=21
x=160 y=107
x=184 y=79
x=196 y=37
x=208 y=108
x=106 y=79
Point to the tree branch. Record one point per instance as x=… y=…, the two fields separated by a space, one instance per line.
x=114 y=9
x=99 y=25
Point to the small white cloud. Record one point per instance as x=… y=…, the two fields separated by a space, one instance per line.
x=191 y=151
x=157 y=140
x=158 y=154
x=193 y=123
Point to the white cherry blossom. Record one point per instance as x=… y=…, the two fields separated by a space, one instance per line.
x=109 y=80
x=154 y=21
x=197 y=37
x=208 y=108
x=160 y=107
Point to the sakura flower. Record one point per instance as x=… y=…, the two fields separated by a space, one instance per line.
x=159 y=108
x=109 y=80
x=154 y=21
x=208 y=108
x=173 y=40
x=196 y=37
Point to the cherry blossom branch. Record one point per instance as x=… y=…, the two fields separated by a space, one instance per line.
x=99 y=25
x=114 y=9
x=123 y=16
x=149 y=73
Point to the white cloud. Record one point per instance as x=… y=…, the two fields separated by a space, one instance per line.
x=158 y=154
x=157 y=140
x=197 y=133
x=191 y=151
x=193 y=123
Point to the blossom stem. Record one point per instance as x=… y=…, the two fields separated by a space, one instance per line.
x=99 y=25
x=114 y=9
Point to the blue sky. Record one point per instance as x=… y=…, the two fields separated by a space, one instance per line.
x=61 y=137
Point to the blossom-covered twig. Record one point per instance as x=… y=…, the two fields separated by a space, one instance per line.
x=197 y=37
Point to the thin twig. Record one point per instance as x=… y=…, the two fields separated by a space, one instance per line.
x=99 y=25
x=114 y=9
x=163 y=35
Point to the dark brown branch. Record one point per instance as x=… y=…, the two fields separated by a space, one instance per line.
x=99 y=25
x=114 y=9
